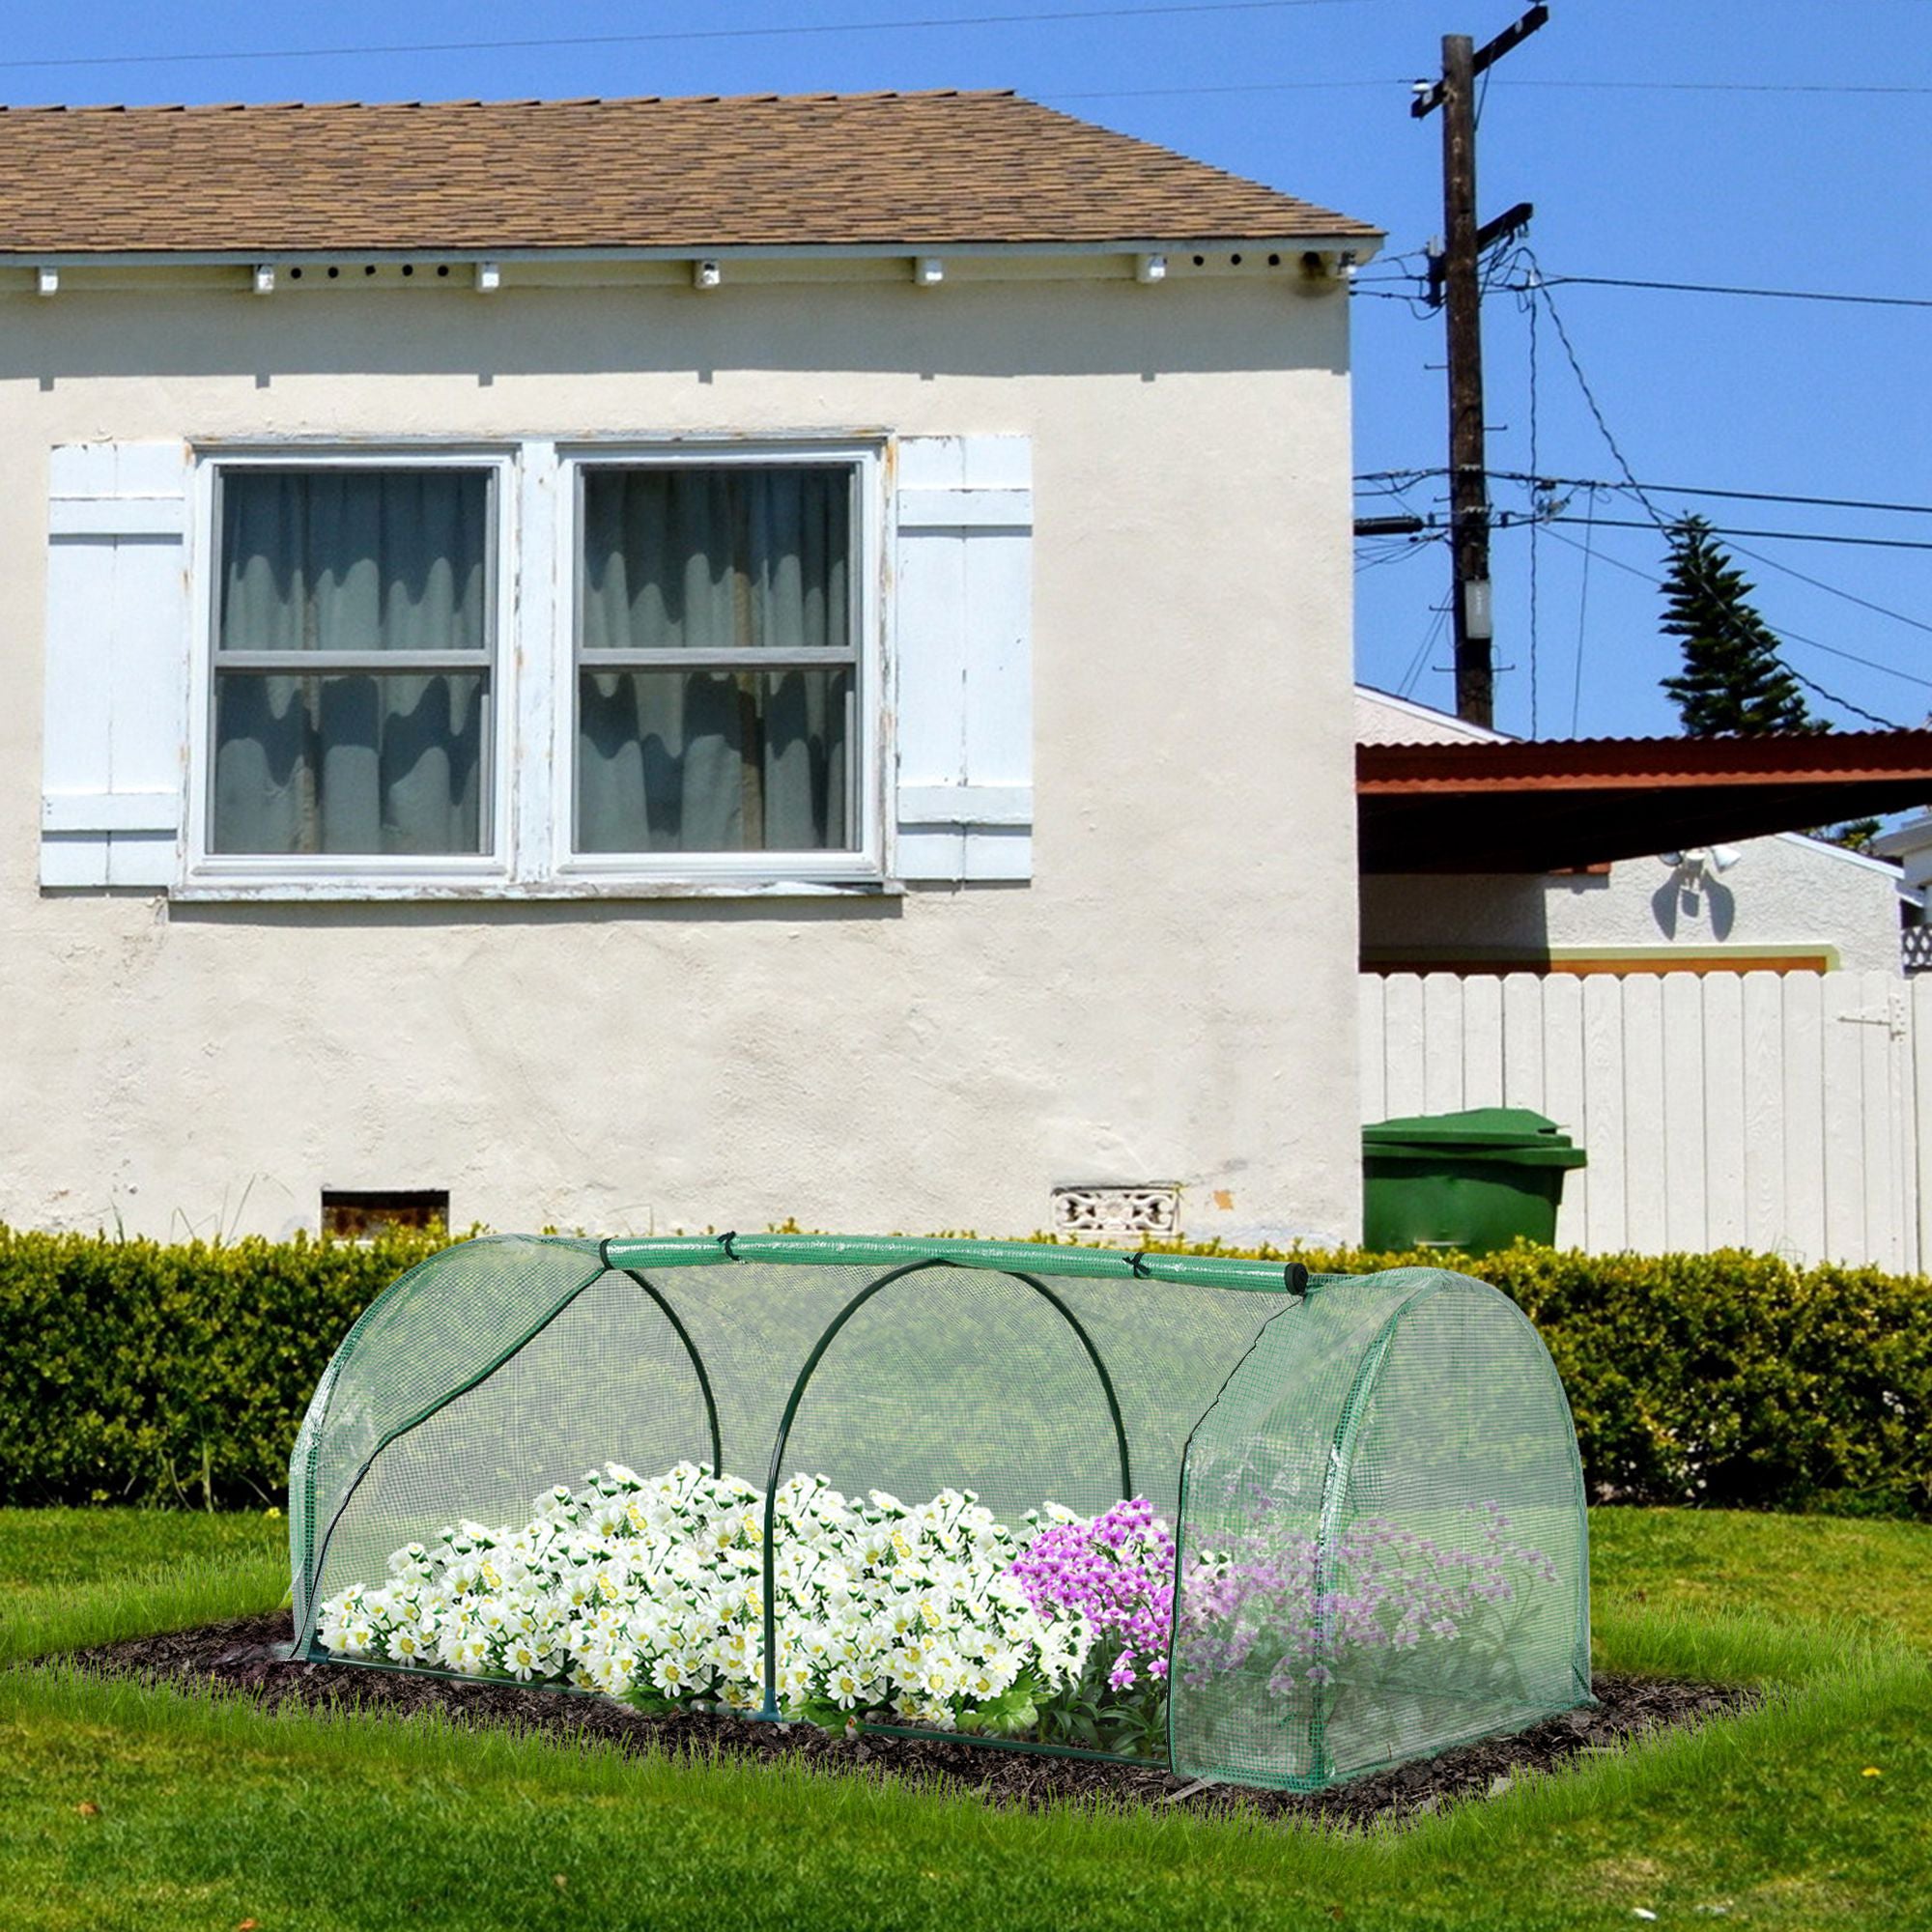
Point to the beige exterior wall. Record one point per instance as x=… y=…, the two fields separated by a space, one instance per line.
x=1785 y=895
x=1171 y=998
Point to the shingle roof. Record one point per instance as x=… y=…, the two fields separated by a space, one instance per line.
x=924 y=170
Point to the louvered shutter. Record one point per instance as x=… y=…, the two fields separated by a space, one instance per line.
x=116 y=723
x=962 y=635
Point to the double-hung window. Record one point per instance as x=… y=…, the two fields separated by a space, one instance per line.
x=352 y=663
x=718 y=660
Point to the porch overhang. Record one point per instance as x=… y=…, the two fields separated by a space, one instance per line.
x=1558 y=805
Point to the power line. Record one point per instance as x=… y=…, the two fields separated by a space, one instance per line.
x=1533 y=585
x=1789 y=637
x=1666 y=524
x=1844 y=703
x=1264 y=87
x=1539 y=290
x=1404 y=80
x=1368 y=286
x=1783 y=536
x=1536 y=284
x=1588 y=548
x=1670 y=490
x=813 y=29
x=1819 y=583
x=1725 y=289
x=1729 y=86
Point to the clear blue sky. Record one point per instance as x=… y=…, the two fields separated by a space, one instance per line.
x=1779 y=144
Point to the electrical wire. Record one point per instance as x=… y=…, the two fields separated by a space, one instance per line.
x=1171 y=93
x=1541 y=292
x=1659 y=521
x=1671 y=490
x=1630 y=477
x=1819 y=583
x=1729 y=86
x=1844 y=703
x=1418 y=663
x=1788 y=636
x=1367 y=285
x=1534 y=529
x=1588 y=548
x=664 y=36
x=1724 y=289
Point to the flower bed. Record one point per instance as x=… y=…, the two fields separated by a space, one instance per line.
x=930 y=1616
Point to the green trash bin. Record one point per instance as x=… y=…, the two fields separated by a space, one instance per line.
x=1473 y=1181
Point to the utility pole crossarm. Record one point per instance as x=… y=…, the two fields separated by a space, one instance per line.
x=1430 y=98
x=1501 y=227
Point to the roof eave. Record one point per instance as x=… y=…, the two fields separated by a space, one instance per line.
x=1361 y=247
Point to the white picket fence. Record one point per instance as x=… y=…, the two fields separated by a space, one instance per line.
x=1783 y=1112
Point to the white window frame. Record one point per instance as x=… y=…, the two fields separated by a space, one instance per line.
x=864 y=862
x=334 y=874
x=532 y=735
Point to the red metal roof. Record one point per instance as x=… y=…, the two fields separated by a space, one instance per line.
x=1544 y=806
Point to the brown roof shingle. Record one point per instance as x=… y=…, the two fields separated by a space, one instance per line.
x=923 y=170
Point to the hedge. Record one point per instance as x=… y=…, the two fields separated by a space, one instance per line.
x=177 y=1375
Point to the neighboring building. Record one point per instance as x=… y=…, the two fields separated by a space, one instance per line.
x=637 y=665
x=1784 y=903
x=1911 y=846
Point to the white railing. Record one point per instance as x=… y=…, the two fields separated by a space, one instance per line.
x=1783 y=1112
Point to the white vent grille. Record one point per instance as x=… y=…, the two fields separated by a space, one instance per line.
x=1147 y=1213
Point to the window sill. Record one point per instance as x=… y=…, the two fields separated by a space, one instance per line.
x=447 y=890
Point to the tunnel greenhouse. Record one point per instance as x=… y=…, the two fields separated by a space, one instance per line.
x=1259 y=1525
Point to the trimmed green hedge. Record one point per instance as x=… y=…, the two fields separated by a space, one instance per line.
x=137 y=1373
x=175 y=1376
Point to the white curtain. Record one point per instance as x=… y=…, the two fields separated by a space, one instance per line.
x=371 y=761
x=727 y=758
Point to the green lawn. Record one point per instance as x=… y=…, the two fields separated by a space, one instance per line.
x=206 y=1813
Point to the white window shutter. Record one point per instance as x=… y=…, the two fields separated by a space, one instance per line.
x=116 y=737
x=963 y=639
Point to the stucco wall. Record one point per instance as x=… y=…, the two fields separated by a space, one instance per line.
x=1786 y=894
x=1169 y=999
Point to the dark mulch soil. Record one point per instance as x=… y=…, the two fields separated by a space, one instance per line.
x=249 y=1656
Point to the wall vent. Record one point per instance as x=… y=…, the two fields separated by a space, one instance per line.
x=359 y=1215
x=1108 y=1211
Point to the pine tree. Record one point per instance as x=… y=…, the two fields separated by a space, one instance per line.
x=1734 y=684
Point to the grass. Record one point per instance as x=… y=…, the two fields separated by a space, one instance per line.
x=206 y=1812
x=74 y=1577
x=1873 y=1576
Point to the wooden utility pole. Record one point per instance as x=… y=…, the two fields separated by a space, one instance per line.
x=1456 y=273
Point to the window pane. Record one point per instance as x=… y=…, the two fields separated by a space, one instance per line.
x=350 y=763
x=342 y=560
x=729 y=558
x=714 y=761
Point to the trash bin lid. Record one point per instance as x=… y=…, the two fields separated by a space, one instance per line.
x=1478 y=1133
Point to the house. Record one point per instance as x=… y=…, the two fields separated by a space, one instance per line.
x=637 y=665
x=1781 y=902
x=1910 y=845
